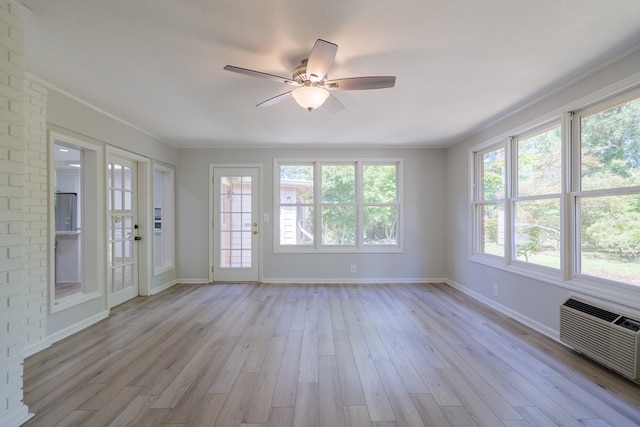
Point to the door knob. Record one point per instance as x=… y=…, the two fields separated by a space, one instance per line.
x=137 y=238
x=255 y=231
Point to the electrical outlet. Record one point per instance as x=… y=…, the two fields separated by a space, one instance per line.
x=353 y=268
x=495 y=289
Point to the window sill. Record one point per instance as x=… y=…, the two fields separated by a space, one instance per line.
x=72 y=301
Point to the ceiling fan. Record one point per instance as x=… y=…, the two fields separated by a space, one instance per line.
x=311 y=81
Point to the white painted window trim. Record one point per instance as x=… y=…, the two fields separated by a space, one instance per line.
x=615 y=292
x=97 y=276
x=513 y=197
x=170 y=220
x=317 y=246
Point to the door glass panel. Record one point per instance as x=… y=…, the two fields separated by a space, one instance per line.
x=121 y=226
x=235 y=222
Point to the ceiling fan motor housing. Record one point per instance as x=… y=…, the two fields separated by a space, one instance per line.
x=300 y=73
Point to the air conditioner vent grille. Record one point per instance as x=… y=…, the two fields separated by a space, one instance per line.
x=598 y=312
x=617 y=346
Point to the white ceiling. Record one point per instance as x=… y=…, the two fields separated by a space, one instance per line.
x=460 y=64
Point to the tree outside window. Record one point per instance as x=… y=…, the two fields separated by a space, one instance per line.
x=608 y=198
x=338 y=205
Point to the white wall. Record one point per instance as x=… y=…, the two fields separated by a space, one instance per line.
x=424 y=214
x=532 y=300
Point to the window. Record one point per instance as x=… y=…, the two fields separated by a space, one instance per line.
x=338 y=204
x=331 y=205
x=296 y=205
x=606 y=190
x=489 y=201
x=525 y=190
x=379 y=204
x=75 y=221
x=163 y=218
x=536 y=197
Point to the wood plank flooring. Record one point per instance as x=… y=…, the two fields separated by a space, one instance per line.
x=314 y=355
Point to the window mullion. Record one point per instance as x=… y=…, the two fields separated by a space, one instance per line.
x=511 y=176
x=359 y=206
x=567 y=245
x=317 y=205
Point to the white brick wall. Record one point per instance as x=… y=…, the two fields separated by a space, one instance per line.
x=35 y=259
x=13 y=330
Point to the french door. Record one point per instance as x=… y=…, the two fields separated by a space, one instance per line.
x=235 y=224
x=122 y=280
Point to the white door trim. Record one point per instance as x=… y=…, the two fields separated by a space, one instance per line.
x=212 y=167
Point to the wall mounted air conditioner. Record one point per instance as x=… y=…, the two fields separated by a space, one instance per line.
x=606 y=336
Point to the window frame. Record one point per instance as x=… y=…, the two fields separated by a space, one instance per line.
x=478 y=202
x=167 y=218
x=576 y=194
x=568 y=275
x=514 y=196
x=92 y=181
x=317 y=246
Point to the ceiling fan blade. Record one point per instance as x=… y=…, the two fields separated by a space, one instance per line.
x=259 y=74
x=275 y=100
x=321 y=59
x=361 y=83
x=332 y=104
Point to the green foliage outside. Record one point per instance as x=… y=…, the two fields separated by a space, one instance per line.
x=539 y=169
x=493 y=188
x=379 y=188
x=610 y=225
x=338 y=204
x=338 y=196
x=608 y=212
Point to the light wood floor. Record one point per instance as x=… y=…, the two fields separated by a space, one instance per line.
x=335 y=355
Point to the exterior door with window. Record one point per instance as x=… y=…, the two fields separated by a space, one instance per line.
x=122 y=225
x=235 y=255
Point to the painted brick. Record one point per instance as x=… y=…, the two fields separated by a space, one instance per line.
x=15 y=204
x=16 y=153
x=12 y=304
x=16 y=228
x=15 y=252
x=36 y=262
x=15 y=105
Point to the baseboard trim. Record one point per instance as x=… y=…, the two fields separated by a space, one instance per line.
x=527 y=321
x=155 y=291
x=77 y=327
x=351 y=281
x=32 y=349
x=193 y=281
x=16 y=417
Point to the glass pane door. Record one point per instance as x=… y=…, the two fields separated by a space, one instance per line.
x=122 y=229
x=235 y=224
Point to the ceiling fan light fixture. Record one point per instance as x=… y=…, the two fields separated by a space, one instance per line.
x=310 y=97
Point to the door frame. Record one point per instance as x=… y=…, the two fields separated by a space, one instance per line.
x=212 y=223
x=144 y=206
